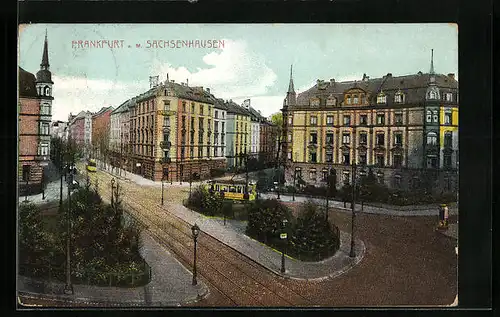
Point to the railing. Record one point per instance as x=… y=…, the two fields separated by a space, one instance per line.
x=165 y=144
x=88 y=277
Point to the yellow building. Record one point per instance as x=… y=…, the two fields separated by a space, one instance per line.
x=398 y=126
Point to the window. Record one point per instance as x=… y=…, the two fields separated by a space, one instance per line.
x=312 y=157
x=348 y=99
x=362 y=159
x=192 y=107
x=312 y=174
x=428 y=116
x=397 y=160
x=324 y=175
x=289 y=156
x=381 y=98
x=215 y=151
x=448 y=96
x=208 y=151
x=363 y=100
x=363 y=138
x=289 y=137
x=380 y=139
x=201 y=109
x=432 y=161
x=379 y=160
x=399 y=97
x=329 y=157
x=223 y=123
x=448 y=139
x=398 y=138
x=435 y=116
x=346 y=158
x=447 y=161
x=44 y=149
x=184 y=107
x=347 y=120
x=397 y=181
x=216 y=114
x=45 y=109
x=363 y=119
x=44 y=128
x=447 y=117
x=355 y=99
x=431 y=138
x=346 y=138
x=26 y=172
x=314 y=120
x=313 y=138
x=329 y=138
x=380 y=118
x=200 y=152
x=398 y=118
x=329 y=120
x=290 y=120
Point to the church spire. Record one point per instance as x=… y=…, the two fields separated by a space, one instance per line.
x=432 y=62
x=45 y=56
x=290 y=85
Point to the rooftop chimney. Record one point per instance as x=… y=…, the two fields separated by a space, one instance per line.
x=452 y=76
x=173 y=81
x=389 y=74
x=332 y=81
x=187 y=82
x=208 y=90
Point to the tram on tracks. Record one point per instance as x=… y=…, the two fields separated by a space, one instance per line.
x=233 y=190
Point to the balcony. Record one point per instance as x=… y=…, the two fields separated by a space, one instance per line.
x=165 y=160
x=165 y=112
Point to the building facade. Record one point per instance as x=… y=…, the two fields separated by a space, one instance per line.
x=171 y=133
x=120 y=133
x=404 y=128
x=101 y=131
x=80 y=132
x=58 y=129
x=238 y=136
x=35 y=114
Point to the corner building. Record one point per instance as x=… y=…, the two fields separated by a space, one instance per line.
x=404 y=128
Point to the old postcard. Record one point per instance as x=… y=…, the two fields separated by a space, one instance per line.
x=238 y=165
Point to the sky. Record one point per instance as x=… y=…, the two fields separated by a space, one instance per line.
x=253 y=64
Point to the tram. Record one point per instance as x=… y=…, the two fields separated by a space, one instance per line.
x=233 y=190
x=91 y=165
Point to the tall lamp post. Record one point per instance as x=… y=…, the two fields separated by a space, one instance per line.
x=294 y=185
x=283 y=237
x=162 y=190
x=195 y=231
x=112 y=190
x=353 y=204
x=61 y=163
x=68 y=288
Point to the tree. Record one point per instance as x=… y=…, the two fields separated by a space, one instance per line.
x=313 y=238
x=265 y=218
x=32 y=240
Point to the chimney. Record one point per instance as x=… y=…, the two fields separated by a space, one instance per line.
x=452 y=76
x=332 y=81
x=389 y=74
x=208 y=90
x=419 y=73
x=187 y=82
x=173 y=81
x=167 y=77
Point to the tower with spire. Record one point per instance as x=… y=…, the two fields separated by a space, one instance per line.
x=44 y=85
x=432 y=90
x=291 y=97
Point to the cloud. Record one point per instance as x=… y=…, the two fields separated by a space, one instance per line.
x=234 y=72
x=74 y=94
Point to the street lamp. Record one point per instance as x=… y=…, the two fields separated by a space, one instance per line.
x=294 y=186
x=284 y=237
x=43 y=187
x=162 y=191
x=112 y=190
x=277 y=189
x=196 y=231
x=68 y=288
x=353 y=204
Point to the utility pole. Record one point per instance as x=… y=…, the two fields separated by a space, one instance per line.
x=353 y=204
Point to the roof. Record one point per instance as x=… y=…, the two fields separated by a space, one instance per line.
x=103 y=110
x=235 y=108
x=124 y=107
x=27 y=87
x=414 y=86
x=181 y=91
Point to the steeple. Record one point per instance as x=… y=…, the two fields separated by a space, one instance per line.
x=432 y=62
x=290 y=85
x=45 y=56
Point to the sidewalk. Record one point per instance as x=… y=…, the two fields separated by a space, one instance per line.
x=52 y=194
x=171 y=284
x=233 y=235
x=417 y=211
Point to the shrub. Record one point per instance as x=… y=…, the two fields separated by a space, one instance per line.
x=265 y=219
x=205 y=202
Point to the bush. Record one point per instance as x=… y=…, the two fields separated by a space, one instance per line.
x=314 y=191
x=205 y=202
x=265 y=219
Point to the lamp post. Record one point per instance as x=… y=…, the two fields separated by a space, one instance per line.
x=327 y=194
x=26 y=189
x=68 y=288
x=61 y=171
x=353 y=204
x=283 y=237
x=162 y=191
x=43 y=187
x=112 y=190
x=294 y=186
x=195 y=231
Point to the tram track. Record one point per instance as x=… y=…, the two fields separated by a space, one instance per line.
x=239 y=280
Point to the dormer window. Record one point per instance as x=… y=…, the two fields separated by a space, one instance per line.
x=448 y=96
x=47 y=91
x=399 y=97
x=355 y=99
x=348 y=99
x=331 y=101
x=381 y=98
x=315 y=102
x=363 y=100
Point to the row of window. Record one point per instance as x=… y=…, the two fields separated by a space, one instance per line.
x=201 y=108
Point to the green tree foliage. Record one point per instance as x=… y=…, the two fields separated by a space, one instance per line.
x=265 y=218
x=205 y=201
x=313 y=238
x=32 y=240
